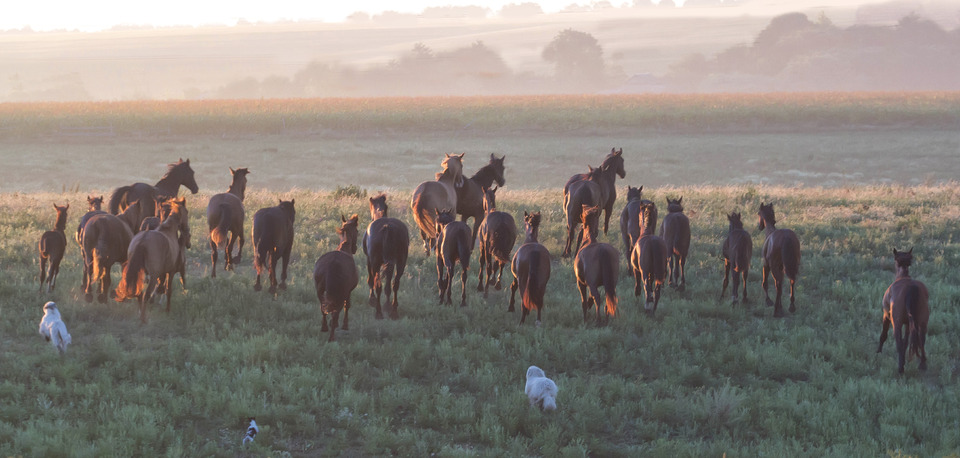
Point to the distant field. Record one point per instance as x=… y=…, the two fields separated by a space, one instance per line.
x=779 y=139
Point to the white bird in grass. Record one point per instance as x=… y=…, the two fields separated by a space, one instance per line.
x=252 y=431
x=53 y=329
x=541 y=391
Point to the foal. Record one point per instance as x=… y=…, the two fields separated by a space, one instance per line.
x=649 y=259
x=498 y=234
x=906 y=304
x=454 y=244
x=386 y=244
x=737 y=251
x=675 y=230
x=781 y=257
x=52 y=246
x=531 y=269
x=335 y=276
x=597 y=264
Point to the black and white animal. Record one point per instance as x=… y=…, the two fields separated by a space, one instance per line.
x=252 y=431
x=541 y=391
x=53 y=329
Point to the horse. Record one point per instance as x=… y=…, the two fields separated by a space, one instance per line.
x=105 y=239
x=906 y=306
x=610 y=168
x=781 y=257
x=94 y=205
x=470 y=195
x=272 y=240
x=453 y=245
x=498 y=234
x=386 y=244
x=225 y=215
x=581 y=193
x=52 y=246
x=178 y=174
x=531 y=269
x=630 y=218
x=335 y=276
x=431 y=196
x=737 y=250
x=596 y=264
x=648 y=260
x=675 y=230
x=157 y=254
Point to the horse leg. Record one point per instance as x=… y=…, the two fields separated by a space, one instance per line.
x=901 y=340
x=236 y=260
x=483 y=262
x=346 y=315
x=105 y=283
x=169 y=289
x=258 y=265
x=683 y=273
x=441 y=270
x=584 y=299
x=601 y=316
x=397 y=272
x=921 y=343
x=228 y=253
x=43 y=272
x=463 y=284
x=745 y=273
x=283 y=273
x=272 y=271
x=726 y=280
x=213 y=260
x=566 y=249
x=778 y=284
x=323 y=324
x=885 y=327
x=606 y=215
x=649 y=305
x=657 y=286
x=523 y=314
x=54 y=273
x=766 y=277
x=498 y=285
x=372 y=282
x=513 y=295
x=793 y=307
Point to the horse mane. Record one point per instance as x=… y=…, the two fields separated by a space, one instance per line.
x=648 y=219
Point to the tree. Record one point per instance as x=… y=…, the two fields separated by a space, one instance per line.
x=578 y=59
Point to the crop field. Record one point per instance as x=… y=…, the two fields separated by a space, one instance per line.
x=701 y=378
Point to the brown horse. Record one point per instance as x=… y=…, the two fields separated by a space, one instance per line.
x=52 y=246
x=498 y=234
x=272 y=240
x=737 y=252
x=597 y=264
x=630 y=218
x=582 y=193
x=94 y=205
x=179 y=173
x=335 y=276
x=906 y=307
x=105 y=239
x=610 y=168
x=453 y=245
x=649 y=260
x=225 y=215
x=675 y=230
x=386 y=244
x=781 y=257
x=531 y=269
x=431 y=196
x=470 y=195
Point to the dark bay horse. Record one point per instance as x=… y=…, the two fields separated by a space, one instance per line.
x=906 y=307
x=153 y=257
x=649 y=260
x=781 y=257
x=596 y=264
x=582 y=193
x=498 y=234
x=94 y=205
x=453 y=245
x=675 y=230
x=335 y=276
x=737 y=252
x=470 y=195
x=431 y=196
x=610 y=168
x=105 y=239
x=179 y=173
x=225 y=216
x=630 y=218
x=386 y=244
x=531 y=269
x=272 y=240
x=52 y=246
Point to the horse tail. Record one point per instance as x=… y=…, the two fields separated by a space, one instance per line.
x=790 y=255
x=911 y=301
x=131 y=280
x=532 y=294
x=609 y=274
x=218 y=235
x=116 y=198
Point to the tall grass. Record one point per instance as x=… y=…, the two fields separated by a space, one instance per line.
x=702 y=378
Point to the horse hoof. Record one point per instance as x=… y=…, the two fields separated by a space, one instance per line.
x=88 y=297
x=497 y=286
x=681 y=288
x=511 y=309
x=257 y=287
x=769 y=303
x=778 y=314
x=394 y=315
x=463 y=303
x=379 y=315
x=923 y=366
x=792 y=308
x=102 y=298
x=283 y=286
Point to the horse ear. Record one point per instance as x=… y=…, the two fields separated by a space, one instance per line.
x=343 y=218
x=680 y=200
x=232 y=172
x=895 y=252
x=492 y=157
x=910 y=251
x=55 y=206
x=462 y=154
x=525 y=214
x=640 y=188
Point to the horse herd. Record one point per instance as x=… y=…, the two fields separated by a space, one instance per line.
x=147 y=231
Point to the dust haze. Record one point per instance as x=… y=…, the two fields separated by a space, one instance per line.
x=705 y=46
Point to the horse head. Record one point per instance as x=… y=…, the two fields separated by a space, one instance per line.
x=634 y=193
x=489 y=199
x=591 y=220
x=239 y=183
x=766 y=216
x=531 y=222
x=648 y=218
x=674 y=206
x=95 y=202
x=444 y=217
x=614 y=161
x=177 y=208
x=183 y=174
x=903 y=258
x=496 y=165
x=378 y=206
x=735 y=221
x=288 y=209
x=348 y=233
x=453 y=164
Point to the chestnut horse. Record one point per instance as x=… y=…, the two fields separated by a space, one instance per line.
x=52 y=246
x=453 y=245
x=386 y=244
x=582 y=193
x=335 y=276
x=225 y=215
x=498 y=234
x=431 y=196
x=531 y=269
x=610 y=168
x=156 y=254
x=596 y=264
x=630 y=218
x=272 y=240
x=649 y=260
x=781 y=257
x=179 y=173
x=675 y=230
x=105 y=239
x=470 y=195
x=906 y=307
x=94 y=204
x=737 y=252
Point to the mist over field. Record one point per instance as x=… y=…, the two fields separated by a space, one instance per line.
x=705 y=46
